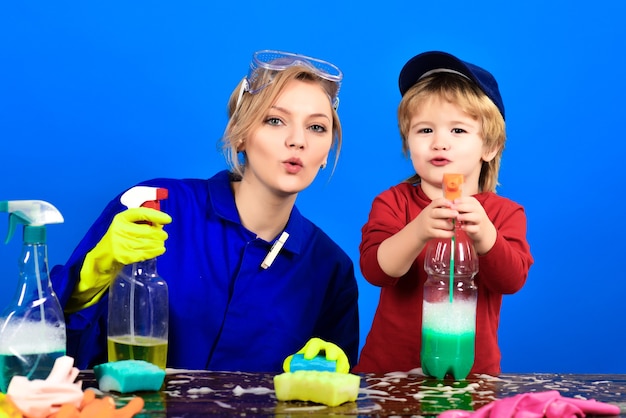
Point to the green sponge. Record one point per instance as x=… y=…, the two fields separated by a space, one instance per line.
x=329 y=388
x=126 y=376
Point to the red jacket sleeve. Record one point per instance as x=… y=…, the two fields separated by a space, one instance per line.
x=505 y=267
x=391 y=211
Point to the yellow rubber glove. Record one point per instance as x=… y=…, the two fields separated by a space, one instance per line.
x=8 y=408
x=315 y=346
x=134 y=235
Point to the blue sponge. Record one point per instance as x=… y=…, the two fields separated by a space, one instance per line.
x=319 y=363
x=126 y=376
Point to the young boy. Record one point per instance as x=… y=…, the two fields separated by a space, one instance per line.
x=451 y=120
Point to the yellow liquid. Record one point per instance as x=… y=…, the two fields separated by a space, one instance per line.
x=127 y=347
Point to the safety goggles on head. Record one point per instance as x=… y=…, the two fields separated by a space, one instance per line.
x=276 y=61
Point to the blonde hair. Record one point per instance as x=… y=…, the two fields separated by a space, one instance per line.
x=249 y=113
x=473 y=101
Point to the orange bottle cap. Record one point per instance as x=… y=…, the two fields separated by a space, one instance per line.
x=452 y=185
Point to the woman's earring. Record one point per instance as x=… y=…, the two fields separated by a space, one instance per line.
x=323 y=166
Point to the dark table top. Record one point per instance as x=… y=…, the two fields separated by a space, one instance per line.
x=205 y=393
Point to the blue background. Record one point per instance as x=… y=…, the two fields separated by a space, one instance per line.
x=96 y=96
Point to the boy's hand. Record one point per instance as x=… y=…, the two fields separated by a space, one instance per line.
x=475 y=222
x=436 y=220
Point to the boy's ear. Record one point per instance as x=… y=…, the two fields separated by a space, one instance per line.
x=490 y=154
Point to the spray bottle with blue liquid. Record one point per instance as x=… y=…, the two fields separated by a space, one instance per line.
x=138 y=299
x=32 y=327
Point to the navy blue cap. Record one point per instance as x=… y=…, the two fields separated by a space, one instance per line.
x=431 y=61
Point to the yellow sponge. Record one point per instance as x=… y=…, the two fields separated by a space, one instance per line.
x=329 y=388
x=126 y=376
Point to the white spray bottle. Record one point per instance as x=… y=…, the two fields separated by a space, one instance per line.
x=138 y=299
x=32 y=327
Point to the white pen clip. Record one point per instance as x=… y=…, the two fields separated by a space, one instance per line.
x=278 y=245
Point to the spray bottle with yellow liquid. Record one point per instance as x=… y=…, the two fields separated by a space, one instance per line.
x=139 y=300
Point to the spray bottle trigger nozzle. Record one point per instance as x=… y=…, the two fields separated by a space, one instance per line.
x=14 y=218
x=30 y=213
x=144 y=196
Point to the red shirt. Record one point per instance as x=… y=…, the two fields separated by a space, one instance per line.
x=394 y=341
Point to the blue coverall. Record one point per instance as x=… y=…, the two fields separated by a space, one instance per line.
x=226 y=312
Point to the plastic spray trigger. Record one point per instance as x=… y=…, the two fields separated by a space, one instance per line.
x=452 y=185
x=144 y=196
x=30 y=213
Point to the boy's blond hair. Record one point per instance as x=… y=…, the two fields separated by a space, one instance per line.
x=249 y=113
x=473 y=101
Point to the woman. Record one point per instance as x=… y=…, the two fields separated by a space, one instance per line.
x=233 y=304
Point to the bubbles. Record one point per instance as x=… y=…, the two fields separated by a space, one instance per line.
x=28 y=337
x=453 y=318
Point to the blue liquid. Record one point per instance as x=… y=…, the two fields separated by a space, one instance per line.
x=32 y=366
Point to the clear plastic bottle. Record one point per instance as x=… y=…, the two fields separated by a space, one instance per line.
x=449 y=307
x=449 y=323
x=32 y=327
x=138 y=315
x=139 y=301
